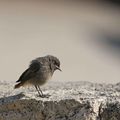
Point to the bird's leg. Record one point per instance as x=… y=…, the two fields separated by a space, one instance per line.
x=38 y=90
x=44 y=96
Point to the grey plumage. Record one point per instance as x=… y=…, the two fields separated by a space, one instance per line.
x=40 y=70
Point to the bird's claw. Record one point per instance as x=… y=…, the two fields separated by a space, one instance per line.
x=44 y=96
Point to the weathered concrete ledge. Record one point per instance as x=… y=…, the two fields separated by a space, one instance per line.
x=67 y=101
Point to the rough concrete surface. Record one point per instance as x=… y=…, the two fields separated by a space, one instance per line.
x=67 y=101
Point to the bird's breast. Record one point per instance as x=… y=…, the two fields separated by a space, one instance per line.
x=43 y=76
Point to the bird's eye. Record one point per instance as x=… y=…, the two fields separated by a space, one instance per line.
x=57 y=65
x=54 y=62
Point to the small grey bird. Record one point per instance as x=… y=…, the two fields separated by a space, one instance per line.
x=40 y=70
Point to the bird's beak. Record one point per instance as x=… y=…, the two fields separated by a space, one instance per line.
x=58 y=68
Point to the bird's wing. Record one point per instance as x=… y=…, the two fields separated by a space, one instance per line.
x=30 y=72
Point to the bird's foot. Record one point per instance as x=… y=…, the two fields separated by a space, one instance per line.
x=44 y=96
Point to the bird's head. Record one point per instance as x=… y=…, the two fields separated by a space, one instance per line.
x=54 y=63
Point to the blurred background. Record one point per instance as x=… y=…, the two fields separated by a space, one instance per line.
x=85 y=36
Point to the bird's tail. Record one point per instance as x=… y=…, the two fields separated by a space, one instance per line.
x=18 y=85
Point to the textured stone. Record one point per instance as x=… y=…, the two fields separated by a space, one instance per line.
x=67 y=101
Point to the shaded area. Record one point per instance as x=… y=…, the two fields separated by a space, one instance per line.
x=11 y=98
x=111 y=111
x=114 y=2
x=112 y=41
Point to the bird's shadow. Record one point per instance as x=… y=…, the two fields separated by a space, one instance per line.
x=18 y=97
x=43 y=96
x=11 y=98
